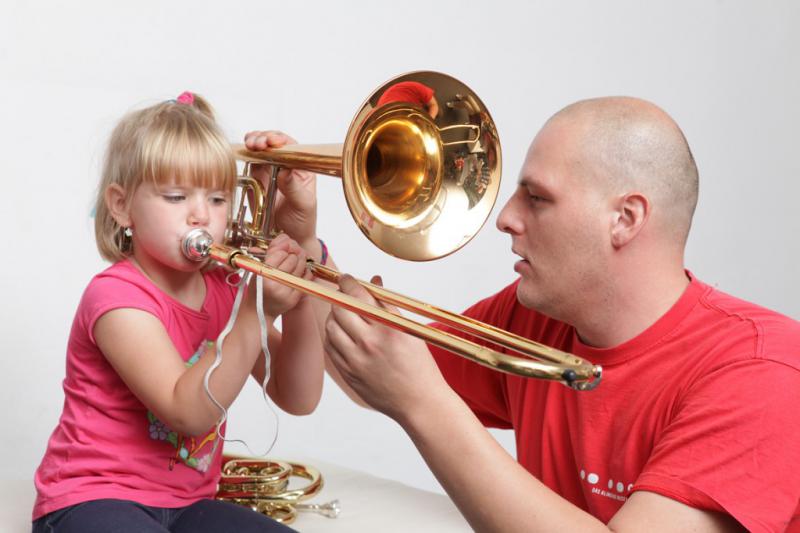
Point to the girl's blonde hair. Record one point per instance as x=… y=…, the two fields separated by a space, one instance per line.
x=174 y=142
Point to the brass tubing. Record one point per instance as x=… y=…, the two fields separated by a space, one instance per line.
x=462 y=323
x=319 y=158
x=484 y=356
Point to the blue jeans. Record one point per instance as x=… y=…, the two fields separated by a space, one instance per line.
x=122 y=516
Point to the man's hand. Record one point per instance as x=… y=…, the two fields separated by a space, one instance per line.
x=391 y=371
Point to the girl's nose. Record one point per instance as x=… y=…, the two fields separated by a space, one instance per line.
x=198 y=215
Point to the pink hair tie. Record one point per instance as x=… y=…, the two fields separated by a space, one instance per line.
x=185 y=98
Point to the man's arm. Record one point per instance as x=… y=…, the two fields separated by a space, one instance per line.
x=396 y=374
x=433 y=107
x=495 y=493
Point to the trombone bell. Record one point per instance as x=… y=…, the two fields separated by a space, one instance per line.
x=419 y=187
x=399 y=167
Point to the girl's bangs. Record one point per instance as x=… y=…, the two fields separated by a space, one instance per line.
x=191 y=161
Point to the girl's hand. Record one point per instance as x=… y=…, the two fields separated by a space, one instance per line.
x=296 y=201
x=288 y=256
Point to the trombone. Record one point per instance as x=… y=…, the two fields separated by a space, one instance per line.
x=419 y=187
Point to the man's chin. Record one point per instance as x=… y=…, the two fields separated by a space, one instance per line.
x=526 y=295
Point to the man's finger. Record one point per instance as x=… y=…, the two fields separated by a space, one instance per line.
x=338 y=344
x=350 y=285
x=378 y=280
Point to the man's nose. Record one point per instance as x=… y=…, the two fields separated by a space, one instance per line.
x=506 y=219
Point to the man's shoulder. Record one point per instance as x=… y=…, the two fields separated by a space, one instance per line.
x=771 y=334
x=728 y=307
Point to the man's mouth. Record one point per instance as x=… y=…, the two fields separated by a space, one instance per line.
x=522 y=257
x=522 y=264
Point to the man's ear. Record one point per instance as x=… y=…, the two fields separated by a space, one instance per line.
x=631 y=213
x=118 y=204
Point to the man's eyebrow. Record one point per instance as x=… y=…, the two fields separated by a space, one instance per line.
x=531 y=182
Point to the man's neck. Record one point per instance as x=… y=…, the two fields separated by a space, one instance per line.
x=634 y=303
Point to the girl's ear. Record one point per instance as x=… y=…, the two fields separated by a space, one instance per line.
x=118 y=205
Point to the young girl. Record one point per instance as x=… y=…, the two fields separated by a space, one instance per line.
x=135 y=449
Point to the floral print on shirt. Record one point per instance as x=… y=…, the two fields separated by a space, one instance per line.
x=187 y=449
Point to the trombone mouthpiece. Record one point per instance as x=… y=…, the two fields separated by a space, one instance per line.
x=196 y=244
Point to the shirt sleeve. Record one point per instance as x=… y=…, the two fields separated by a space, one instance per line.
x=407 y=91
x=734 y=445
x=424 y=93
x=107 y=293
x=482 y=389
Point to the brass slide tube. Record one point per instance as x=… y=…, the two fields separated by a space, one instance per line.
x=571 y=370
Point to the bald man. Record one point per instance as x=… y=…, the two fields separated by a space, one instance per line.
x=696 y=424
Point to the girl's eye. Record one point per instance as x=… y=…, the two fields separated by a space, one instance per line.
x=218 y=200
x=174 y=198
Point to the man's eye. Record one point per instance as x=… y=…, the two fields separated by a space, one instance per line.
x=536 y=198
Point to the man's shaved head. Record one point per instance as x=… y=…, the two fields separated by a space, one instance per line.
x=631 y=145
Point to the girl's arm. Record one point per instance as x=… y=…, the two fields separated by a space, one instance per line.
x=322 y=310
x=137 y=345
x=297 y=363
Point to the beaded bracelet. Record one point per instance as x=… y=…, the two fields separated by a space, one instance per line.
x=324 y=258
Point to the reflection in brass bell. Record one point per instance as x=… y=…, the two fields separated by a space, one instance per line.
x=417 y=186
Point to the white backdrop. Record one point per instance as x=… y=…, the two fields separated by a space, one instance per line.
x=727 y=71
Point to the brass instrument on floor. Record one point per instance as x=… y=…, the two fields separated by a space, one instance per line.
x=265 y=487
x=418 y=186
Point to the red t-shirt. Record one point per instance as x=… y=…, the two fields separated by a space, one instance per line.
x=703 y=407
x=407 y=91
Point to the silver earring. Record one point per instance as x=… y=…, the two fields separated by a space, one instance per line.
x=127 y=232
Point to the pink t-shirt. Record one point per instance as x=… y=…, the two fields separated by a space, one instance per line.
x=702 y=407
x=107 y=444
